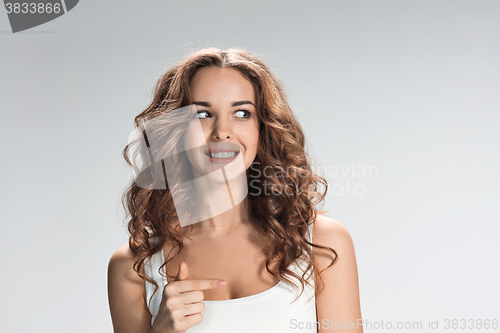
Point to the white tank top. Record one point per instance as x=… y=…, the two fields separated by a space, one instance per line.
x=272 y=310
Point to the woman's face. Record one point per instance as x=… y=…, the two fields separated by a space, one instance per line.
x=226 y=108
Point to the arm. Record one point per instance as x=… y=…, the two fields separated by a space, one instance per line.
x=126 y=293
x=338 y=302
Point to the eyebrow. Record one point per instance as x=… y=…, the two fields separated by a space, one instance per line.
x=238 y=103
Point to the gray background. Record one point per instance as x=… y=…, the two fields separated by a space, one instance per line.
x=408 y=87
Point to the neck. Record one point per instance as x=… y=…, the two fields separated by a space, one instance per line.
x=220 y=202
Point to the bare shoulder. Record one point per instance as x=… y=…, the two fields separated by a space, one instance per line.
x=337 y=293
x=126 y=293
x=331 y=233
x=121 y=270
x=122 y=260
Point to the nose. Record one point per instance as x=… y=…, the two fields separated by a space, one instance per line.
x=222 y=130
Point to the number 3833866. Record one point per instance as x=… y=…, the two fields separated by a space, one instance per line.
x=33 y=7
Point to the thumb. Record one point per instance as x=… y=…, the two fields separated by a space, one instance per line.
x=183 y=272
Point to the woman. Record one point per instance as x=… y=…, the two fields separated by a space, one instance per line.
x=264 y=260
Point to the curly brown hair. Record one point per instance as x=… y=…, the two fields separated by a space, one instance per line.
x=281 y=164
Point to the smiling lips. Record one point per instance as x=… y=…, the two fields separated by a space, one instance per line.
x=222 y=155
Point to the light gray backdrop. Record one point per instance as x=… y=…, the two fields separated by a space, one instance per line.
x=408 y=90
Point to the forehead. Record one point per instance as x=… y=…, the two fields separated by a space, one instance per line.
x=221 y=83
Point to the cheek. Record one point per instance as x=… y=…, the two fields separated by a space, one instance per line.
x=252 y=140
x=253 y=132
x=194 y=136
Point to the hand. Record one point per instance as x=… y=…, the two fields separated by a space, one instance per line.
x=181 y=304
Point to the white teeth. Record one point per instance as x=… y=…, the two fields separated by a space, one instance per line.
x=222 y=155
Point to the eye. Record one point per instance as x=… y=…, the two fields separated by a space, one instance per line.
x=204 y=115
x=242 y=114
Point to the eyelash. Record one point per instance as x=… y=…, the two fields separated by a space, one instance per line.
x=247 y=113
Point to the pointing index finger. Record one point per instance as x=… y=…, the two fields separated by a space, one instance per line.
x=190 y=285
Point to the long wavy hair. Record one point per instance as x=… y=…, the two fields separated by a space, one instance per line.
x=281 y=169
